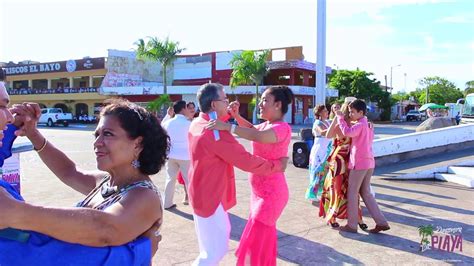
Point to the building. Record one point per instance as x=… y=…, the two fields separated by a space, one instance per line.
x=71 y=85
x=80 y=86
x=141 y=81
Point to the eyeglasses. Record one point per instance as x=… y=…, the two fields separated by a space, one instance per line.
x=221 y=100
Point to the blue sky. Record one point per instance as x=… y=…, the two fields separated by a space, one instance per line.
x=426 y=37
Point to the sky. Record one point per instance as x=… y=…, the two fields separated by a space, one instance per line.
x=413 y=38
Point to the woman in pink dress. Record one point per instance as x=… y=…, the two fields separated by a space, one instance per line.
x=270 y=140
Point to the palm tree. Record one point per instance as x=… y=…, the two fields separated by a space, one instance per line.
x=156 y=50
x=424 y=231
x=249 y=67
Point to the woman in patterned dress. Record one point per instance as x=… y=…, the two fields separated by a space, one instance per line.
x=319 y=153
x=333 y=203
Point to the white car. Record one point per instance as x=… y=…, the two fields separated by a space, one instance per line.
x=413 y=115
x=54 y=116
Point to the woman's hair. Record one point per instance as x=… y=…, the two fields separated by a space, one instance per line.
x=345 y=110
x=282 y=94
x=138 y=122
x=318 y=109
x=190 y=103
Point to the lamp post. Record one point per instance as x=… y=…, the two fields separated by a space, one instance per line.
x=391 y=72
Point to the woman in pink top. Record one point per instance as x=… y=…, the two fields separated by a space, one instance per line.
x=270 y=140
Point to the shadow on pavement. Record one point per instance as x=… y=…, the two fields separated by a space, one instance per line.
x=297 y=249
x=467 y=233
x=406 y=245
x=185 y=215
x=411 y=191
x=386 y=197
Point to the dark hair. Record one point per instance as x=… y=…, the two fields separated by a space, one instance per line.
x=206 y=94
x=282 y=94
x=189 y=103
x=359 y=105
x=179 y=106
x=138 y=122
x=318 y=109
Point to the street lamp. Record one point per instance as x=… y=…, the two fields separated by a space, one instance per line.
x=391 y=72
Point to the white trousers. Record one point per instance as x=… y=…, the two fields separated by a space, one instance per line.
x=173 y=166
x=213 y=235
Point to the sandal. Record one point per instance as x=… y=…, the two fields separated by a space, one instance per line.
x=363 y=226
x=334 y=224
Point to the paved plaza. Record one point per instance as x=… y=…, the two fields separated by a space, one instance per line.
x=303 y=237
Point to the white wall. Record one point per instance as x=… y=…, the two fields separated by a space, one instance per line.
x=423 y=140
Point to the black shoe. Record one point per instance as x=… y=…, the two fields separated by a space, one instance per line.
x=334 y=225
x=363 y=226
x=171 y=207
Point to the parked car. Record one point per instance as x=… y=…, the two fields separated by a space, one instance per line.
x=413 y=115
x=54 y=116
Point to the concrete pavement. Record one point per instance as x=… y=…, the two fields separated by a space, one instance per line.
x=304 y=238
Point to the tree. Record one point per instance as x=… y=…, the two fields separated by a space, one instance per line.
x=249 y=67
x=469 y=88
x=355 y=83
x=156 y=50
x=358 y=83
x=440 y=91
x=425 y=231
x=400 y=96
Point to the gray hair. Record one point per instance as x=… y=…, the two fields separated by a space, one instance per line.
x=206 y=94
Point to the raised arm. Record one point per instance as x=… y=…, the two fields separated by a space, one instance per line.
x=250 y=133
x=332 y=130
x=117 y=225
x=348 y=131
x=318 y=130
x=234 y=153
x=234 y=112
x=60 y=164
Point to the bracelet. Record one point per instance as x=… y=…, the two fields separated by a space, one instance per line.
x=232 y=128
x=42 y=147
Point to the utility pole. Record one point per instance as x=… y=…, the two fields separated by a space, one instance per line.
x=320 y=90
x=391 y=71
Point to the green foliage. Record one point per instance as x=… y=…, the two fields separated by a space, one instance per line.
x=440 y=91
x=156 y=50
x=249 y=67
x=469 y=88
x=159 y=103
x=252 y=105
x=358 y=83
x=400 y=96
x=424 y=231
x=355 y=83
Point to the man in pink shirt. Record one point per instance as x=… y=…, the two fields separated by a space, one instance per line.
x=211 y=174
x=362 y=164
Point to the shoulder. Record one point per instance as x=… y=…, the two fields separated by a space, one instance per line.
x=282 y=130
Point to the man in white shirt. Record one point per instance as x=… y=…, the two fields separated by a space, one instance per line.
x=177 y=128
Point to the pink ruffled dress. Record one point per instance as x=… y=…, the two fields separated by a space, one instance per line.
x=258 y=244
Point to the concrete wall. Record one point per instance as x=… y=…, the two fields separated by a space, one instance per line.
x=413 y=145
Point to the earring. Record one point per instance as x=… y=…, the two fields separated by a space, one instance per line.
x=136 y=164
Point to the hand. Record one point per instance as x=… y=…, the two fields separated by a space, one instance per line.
x=218 y=125
x=284 y=163
x=26 y=117
x=170 y=111
x=233 y=109
x=154 y=235
x=7 y=206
